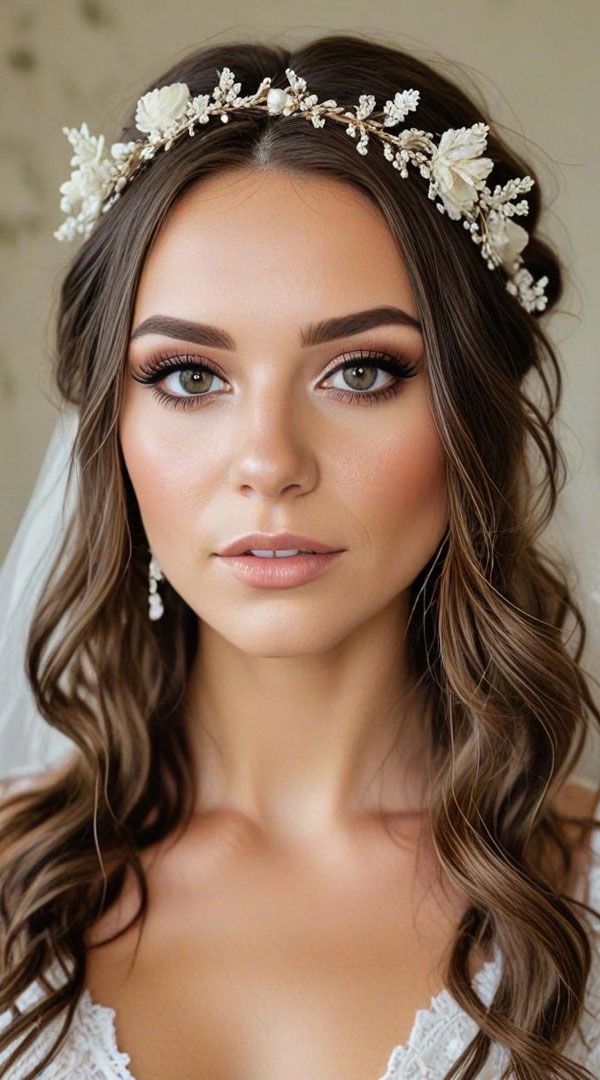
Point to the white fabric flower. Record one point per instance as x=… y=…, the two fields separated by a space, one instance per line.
x=458 y=169
x=88 y=148
x=277 y=101
x=159 y=109
x=73 y=192
x=507 y=237
x=86 y=187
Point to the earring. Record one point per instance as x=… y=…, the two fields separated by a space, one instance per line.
x=155 y=604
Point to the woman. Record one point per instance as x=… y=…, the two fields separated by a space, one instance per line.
x=319 y=820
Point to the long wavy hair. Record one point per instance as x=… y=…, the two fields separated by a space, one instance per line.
x=488 y=636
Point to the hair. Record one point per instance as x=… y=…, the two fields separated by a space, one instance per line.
x=488 y=634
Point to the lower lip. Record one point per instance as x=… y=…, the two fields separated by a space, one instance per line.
x=282 y=573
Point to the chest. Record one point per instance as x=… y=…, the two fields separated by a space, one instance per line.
x=254 y=966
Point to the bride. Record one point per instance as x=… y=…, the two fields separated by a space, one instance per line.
x=317 y=815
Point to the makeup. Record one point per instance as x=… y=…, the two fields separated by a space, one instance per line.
x=279 y=572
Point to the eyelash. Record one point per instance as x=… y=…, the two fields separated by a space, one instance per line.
x=163 y=364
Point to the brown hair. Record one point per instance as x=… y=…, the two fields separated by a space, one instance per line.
x=488 y=633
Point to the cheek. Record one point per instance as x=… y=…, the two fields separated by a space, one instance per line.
x=399 y=491
x=169 y=468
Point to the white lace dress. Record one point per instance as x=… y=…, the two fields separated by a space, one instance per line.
x=439 y=1034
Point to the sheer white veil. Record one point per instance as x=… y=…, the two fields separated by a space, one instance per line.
x=27 y=742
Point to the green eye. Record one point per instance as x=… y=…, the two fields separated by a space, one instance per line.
x=196 y=377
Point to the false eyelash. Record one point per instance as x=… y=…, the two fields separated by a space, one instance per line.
x=157 y=367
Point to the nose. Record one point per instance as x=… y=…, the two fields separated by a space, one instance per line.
x=274 y=457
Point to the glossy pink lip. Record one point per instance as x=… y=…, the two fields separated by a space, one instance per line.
x=279 y=572
x=282 y=541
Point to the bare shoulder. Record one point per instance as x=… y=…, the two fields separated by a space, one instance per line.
x=578 y=799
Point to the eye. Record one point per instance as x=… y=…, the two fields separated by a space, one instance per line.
x=178 y=373
x=195 y=378
x=360 y=371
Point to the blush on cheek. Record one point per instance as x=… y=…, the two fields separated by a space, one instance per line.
x=408 y=505
x=170 y=469
x=149 y=464
x=160 y=456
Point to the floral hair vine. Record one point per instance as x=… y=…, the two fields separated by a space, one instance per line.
x=455 y=167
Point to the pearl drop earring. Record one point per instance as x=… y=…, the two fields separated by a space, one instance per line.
x=155 y=604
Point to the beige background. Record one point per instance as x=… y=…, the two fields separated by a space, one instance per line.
x=535 y=61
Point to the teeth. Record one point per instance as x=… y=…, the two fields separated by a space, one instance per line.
x=279 y=554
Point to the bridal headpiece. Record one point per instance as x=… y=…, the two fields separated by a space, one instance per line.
x=454 y=167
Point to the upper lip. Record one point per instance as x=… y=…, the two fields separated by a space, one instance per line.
x=282 y=541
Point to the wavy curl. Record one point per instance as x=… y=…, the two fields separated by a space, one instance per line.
x=488 y=632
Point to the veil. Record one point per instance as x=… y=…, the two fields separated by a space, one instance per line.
x=27 y=742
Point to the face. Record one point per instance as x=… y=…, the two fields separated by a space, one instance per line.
x=329 y=436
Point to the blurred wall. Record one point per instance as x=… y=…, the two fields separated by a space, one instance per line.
x=73 y=60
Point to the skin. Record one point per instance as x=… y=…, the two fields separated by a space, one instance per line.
x=287 y=933
x=299 y=696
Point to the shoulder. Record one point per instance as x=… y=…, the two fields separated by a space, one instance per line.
x=579 y=799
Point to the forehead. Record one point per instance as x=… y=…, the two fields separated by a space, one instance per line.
x=253 y=240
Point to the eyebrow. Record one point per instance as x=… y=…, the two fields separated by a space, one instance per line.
x=311 y=334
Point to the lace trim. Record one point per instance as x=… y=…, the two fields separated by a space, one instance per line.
x=443 y=1023
x=98 y=1029
x=441 y=1032
x=90 y=1048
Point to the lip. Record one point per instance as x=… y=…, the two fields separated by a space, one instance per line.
x=279 y=573
x=282 y=541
